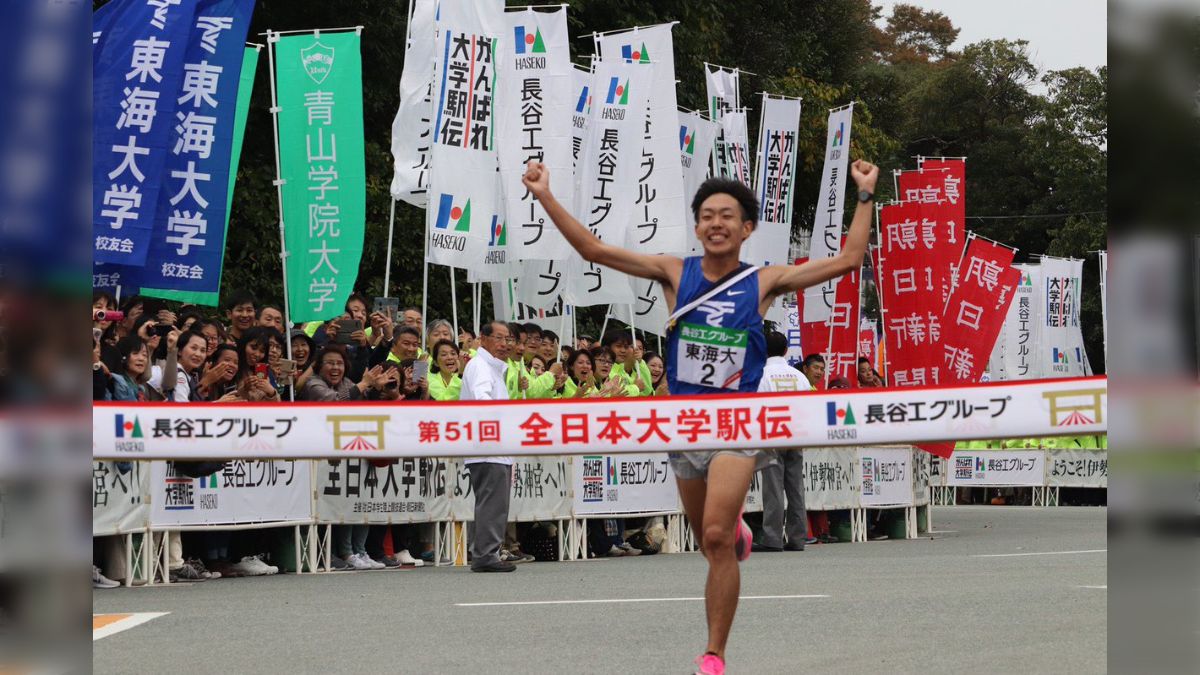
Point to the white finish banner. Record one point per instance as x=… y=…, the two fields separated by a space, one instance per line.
x=775 y=181
x=737 y=145
x=1019 y=343
x=465 y=206
x=412 y=133
x=533 y=122
x=1070 y=467
x=831 y=479
x=656 y=227
x=608 y=176
x=696 y=138
x=885 y=476
x=540 y=490
x=721 y=87
x=243 y=491
x=827 y=225
x=997 y=467
x=848 y=417
x=1061 y=345
x=615 y=484
x=120 y=497
x=409 y=490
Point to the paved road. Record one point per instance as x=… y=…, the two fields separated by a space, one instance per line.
x=927 y=605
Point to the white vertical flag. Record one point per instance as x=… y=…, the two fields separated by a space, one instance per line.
x=1062 y=353
x=737 y=146
x=581 y=91
x=721 y=87
x=1104 y=302
x=608 y=176
x=464 y=194
x=649 y=308
x=696 y=138
x=774 y=180
x=827 y=225
x=412 y=133
x=1021 y=334
x=541 y=282
x=533 y=122
x=655 y=218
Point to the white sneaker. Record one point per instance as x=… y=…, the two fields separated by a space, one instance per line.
x=101 y=581
x=406 y=558
x=253 y=566
x=359 y=562
x=375 y=564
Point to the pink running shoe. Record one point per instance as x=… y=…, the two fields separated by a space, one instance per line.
x=710 y=664
x=743 y=542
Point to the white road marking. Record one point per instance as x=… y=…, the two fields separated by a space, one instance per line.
x=135 y=619
x=621 y=600
x=1017 y=555
x=942 y=532
x=1103 y=588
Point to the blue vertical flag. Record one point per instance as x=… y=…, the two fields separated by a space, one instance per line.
x=136 y=76
x=188 y=240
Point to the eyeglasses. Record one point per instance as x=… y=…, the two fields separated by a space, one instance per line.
x=509 y=339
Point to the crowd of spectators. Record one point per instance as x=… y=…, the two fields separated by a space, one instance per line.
x=145 y=350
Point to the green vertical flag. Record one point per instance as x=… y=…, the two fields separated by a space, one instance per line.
x=241 y=109
x=323 y=168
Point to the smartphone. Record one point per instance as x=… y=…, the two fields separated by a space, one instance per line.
x=388 y=307
x=261 y=370
x=346 y=328
x=162 y=329
x=287 y=371
x=420 y=370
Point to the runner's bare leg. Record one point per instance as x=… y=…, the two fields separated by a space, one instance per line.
x=728 y=481
x=691 y=493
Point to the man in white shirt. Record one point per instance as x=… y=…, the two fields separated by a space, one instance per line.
x=785 y=475
x=483 y=380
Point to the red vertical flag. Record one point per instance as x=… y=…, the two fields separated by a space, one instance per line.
x=976 y=311
x=837 y=338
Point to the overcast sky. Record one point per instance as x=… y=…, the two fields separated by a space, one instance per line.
x=1061 y=33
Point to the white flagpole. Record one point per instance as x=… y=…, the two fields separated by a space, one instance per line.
x=562 y=329
x=387 y=265
x=454 y=301
x=476 y=302
x=632 y=326
x=604 y=326
x=273 y=38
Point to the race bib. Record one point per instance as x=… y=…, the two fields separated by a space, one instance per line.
x=711 y=356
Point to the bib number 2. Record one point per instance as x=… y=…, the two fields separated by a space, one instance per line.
x=711 y=356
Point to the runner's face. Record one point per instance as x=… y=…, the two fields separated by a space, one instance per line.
x=720 y=227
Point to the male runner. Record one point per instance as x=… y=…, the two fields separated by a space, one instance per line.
x=713 y=484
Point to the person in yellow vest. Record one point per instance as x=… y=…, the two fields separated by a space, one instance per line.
x=445 y=384
x=603 y=360
x=627 y=367
x=439 y=329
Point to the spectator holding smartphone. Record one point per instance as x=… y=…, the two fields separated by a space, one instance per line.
x=255 y=381
x=222 y=370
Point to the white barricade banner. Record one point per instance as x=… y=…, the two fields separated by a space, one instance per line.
x=998 y=467
x=656 y=227
x=885 y=476
x=938 y=469
x=409 y=490
x=827 y=227
x=847 y=417
x=754 y=496
x=533 y=120
x=612 y=484
x=540 y=490
x=922 y=466
x=120 y=498
x=831 y=479
x=243 y=491
x=1070 y=467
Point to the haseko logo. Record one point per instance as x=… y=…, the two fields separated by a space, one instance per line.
x=618 y=94
x=632 y=54
x=687 y=139
x=528 y=43
x=450 y=213
x=840 y=419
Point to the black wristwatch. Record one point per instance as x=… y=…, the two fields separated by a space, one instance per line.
x=864 y=196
